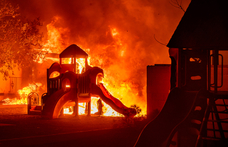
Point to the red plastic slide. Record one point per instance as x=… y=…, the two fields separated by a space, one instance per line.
x=115 y=103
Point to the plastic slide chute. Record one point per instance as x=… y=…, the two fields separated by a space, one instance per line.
x=56 y=101
x=177 y=108
x=116 y=104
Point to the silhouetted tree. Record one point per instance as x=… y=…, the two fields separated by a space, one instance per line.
x=20 y=39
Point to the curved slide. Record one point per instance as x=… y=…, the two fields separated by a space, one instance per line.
x=115 y=103
x=57 y=100
x=176 y=109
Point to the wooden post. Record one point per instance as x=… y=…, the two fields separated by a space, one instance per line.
x=76 y=107
x=89 y=108
x=29 y=104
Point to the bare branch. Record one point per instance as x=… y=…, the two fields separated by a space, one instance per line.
x=159 y=41
x=177 y=4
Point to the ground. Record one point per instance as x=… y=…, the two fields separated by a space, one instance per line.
x=19 y=129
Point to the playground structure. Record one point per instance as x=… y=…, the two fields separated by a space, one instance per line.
x=196 y=110
x=73 y=81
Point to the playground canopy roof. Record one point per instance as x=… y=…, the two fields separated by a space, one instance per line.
x=73 y=51
x=204 y=25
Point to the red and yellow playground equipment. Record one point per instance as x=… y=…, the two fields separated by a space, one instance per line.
x=73 y=81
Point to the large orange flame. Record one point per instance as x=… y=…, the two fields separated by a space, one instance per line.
x=23 y=94
x=116 y=79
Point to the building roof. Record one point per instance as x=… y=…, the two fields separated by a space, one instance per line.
x=73 y=51
x=204 y=25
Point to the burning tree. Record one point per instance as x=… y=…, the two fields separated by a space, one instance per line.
x=20 y=39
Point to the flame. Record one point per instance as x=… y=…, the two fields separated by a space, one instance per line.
x=114 y=32
x=118 y=43
x=66 y=60
x=23 y=94
x=125 y=90
x=80 y=65
x=55 y=36
x=106 y=109
x=81 y=108
x=68 y=110
x=67 y=86
x=55 y=40
x=116 y=80
x=128 y=42
x=54 y=74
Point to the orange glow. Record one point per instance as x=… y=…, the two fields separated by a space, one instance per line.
x=80 y=65
x=23 y=95
x=81 y=108
x=114 y=58
x=114 y=32
x=66 y=60
x=119 y=44
x=68 y=110
x=124 y=92
x=119 y=41
x=67 y=86
x=54 y=42
x=54 y=36
x=54 y=74
x=106 y=109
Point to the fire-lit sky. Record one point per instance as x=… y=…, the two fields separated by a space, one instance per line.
x=118 y=35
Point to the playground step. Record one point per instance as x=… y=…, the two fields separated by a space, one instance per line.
x=34 y=112
x=35 y=108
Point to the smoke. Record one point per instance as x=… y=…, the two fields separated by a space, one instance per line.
x=118 y=35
